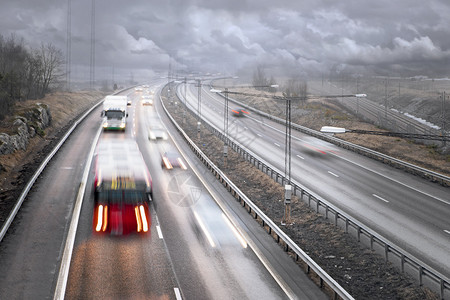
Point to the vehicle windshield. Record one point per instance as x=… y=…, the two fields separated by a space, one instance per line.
x=114 y=114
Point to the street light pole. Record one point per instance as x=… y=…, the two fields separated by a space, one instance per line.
x=225 y=129
x=199 y=107
x=287 y=166
x=185 y=102
x=443 y=115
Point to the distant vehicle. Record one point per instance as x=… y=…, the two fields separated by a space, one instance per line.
x=239 y=112
x=114 y=112
x=147 y=100
x=122 y=189
x=139 y=89
x=171 y=159
x=157 y=132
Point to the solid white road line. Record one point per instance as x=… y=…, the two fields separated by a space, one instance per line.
x=177 y=293
x=63 y=275
x=158 y=229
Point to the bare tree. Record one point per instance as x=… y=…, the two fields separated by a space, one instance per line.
x=51 y=66
x=296 y=87
x=26 y=73
x=259 y=78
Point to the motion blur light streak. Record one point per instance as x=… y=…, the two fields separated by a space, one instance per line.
x=99 y=218
x=144 y=218
x=167 y=163
x=105 y=218
x=138 y=219
x=236 y=233
x=203 y=227
x=183 y=166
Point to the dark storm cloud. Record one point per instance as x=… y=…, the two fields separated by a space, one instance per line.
x=408 y=37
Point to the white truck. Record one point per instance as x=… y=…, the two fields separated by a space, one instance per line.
x=114 y=112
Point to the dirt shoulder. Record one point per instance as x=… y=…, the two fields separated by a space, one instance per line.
x=18 y=167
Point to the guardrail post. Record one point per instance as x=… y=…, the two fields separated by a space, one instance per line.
x=386 y=252
x=402 y=261
x=346 y=225
x=420 y=275
x=359 y=233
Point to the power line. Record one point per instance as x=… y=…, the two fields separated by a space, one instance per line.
x=92 y=61
x=68 y=43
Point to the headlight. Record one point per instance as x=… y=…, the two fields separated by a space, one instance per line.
x=105 y=124
x=152 y=136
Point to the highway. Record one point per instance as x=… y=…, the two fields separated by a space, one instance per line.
x=195 y=250
x=411 y=212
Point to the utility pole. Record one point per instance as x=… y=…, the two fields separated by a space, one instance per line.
x=225 y=129
x=92 y=65
x=69 y=43
x=199 y=107
x=287 y=166
x=443 y=97
x=185 y=102
x=385 y=98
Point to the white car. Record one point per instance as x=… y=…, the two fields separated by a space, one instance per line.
x=157 y=132
x=147 y=100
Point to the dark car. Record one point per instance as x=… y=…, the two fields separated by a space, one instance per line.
x=239 y=112
x=171 y=159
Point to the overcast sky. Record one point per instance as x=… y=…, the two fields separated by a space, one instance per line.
x=293 y=37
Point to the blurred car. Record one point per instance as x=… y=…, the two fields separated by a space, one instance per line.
x=157 y=132
x=147 y=100
x=239 y=112
x=138 y=89
x=171 y=159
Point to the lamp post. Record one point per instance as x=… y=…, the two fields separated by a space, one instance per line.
x=225 y=129
x=443 y=97
x=287 y=166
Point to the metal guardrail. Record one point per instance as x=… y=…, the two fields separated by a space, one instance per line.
x=410 y=168
x=272 y=228
x=423 y=270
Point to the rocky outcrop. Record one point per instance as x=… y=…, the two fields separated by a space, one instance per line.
x=32 y=122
